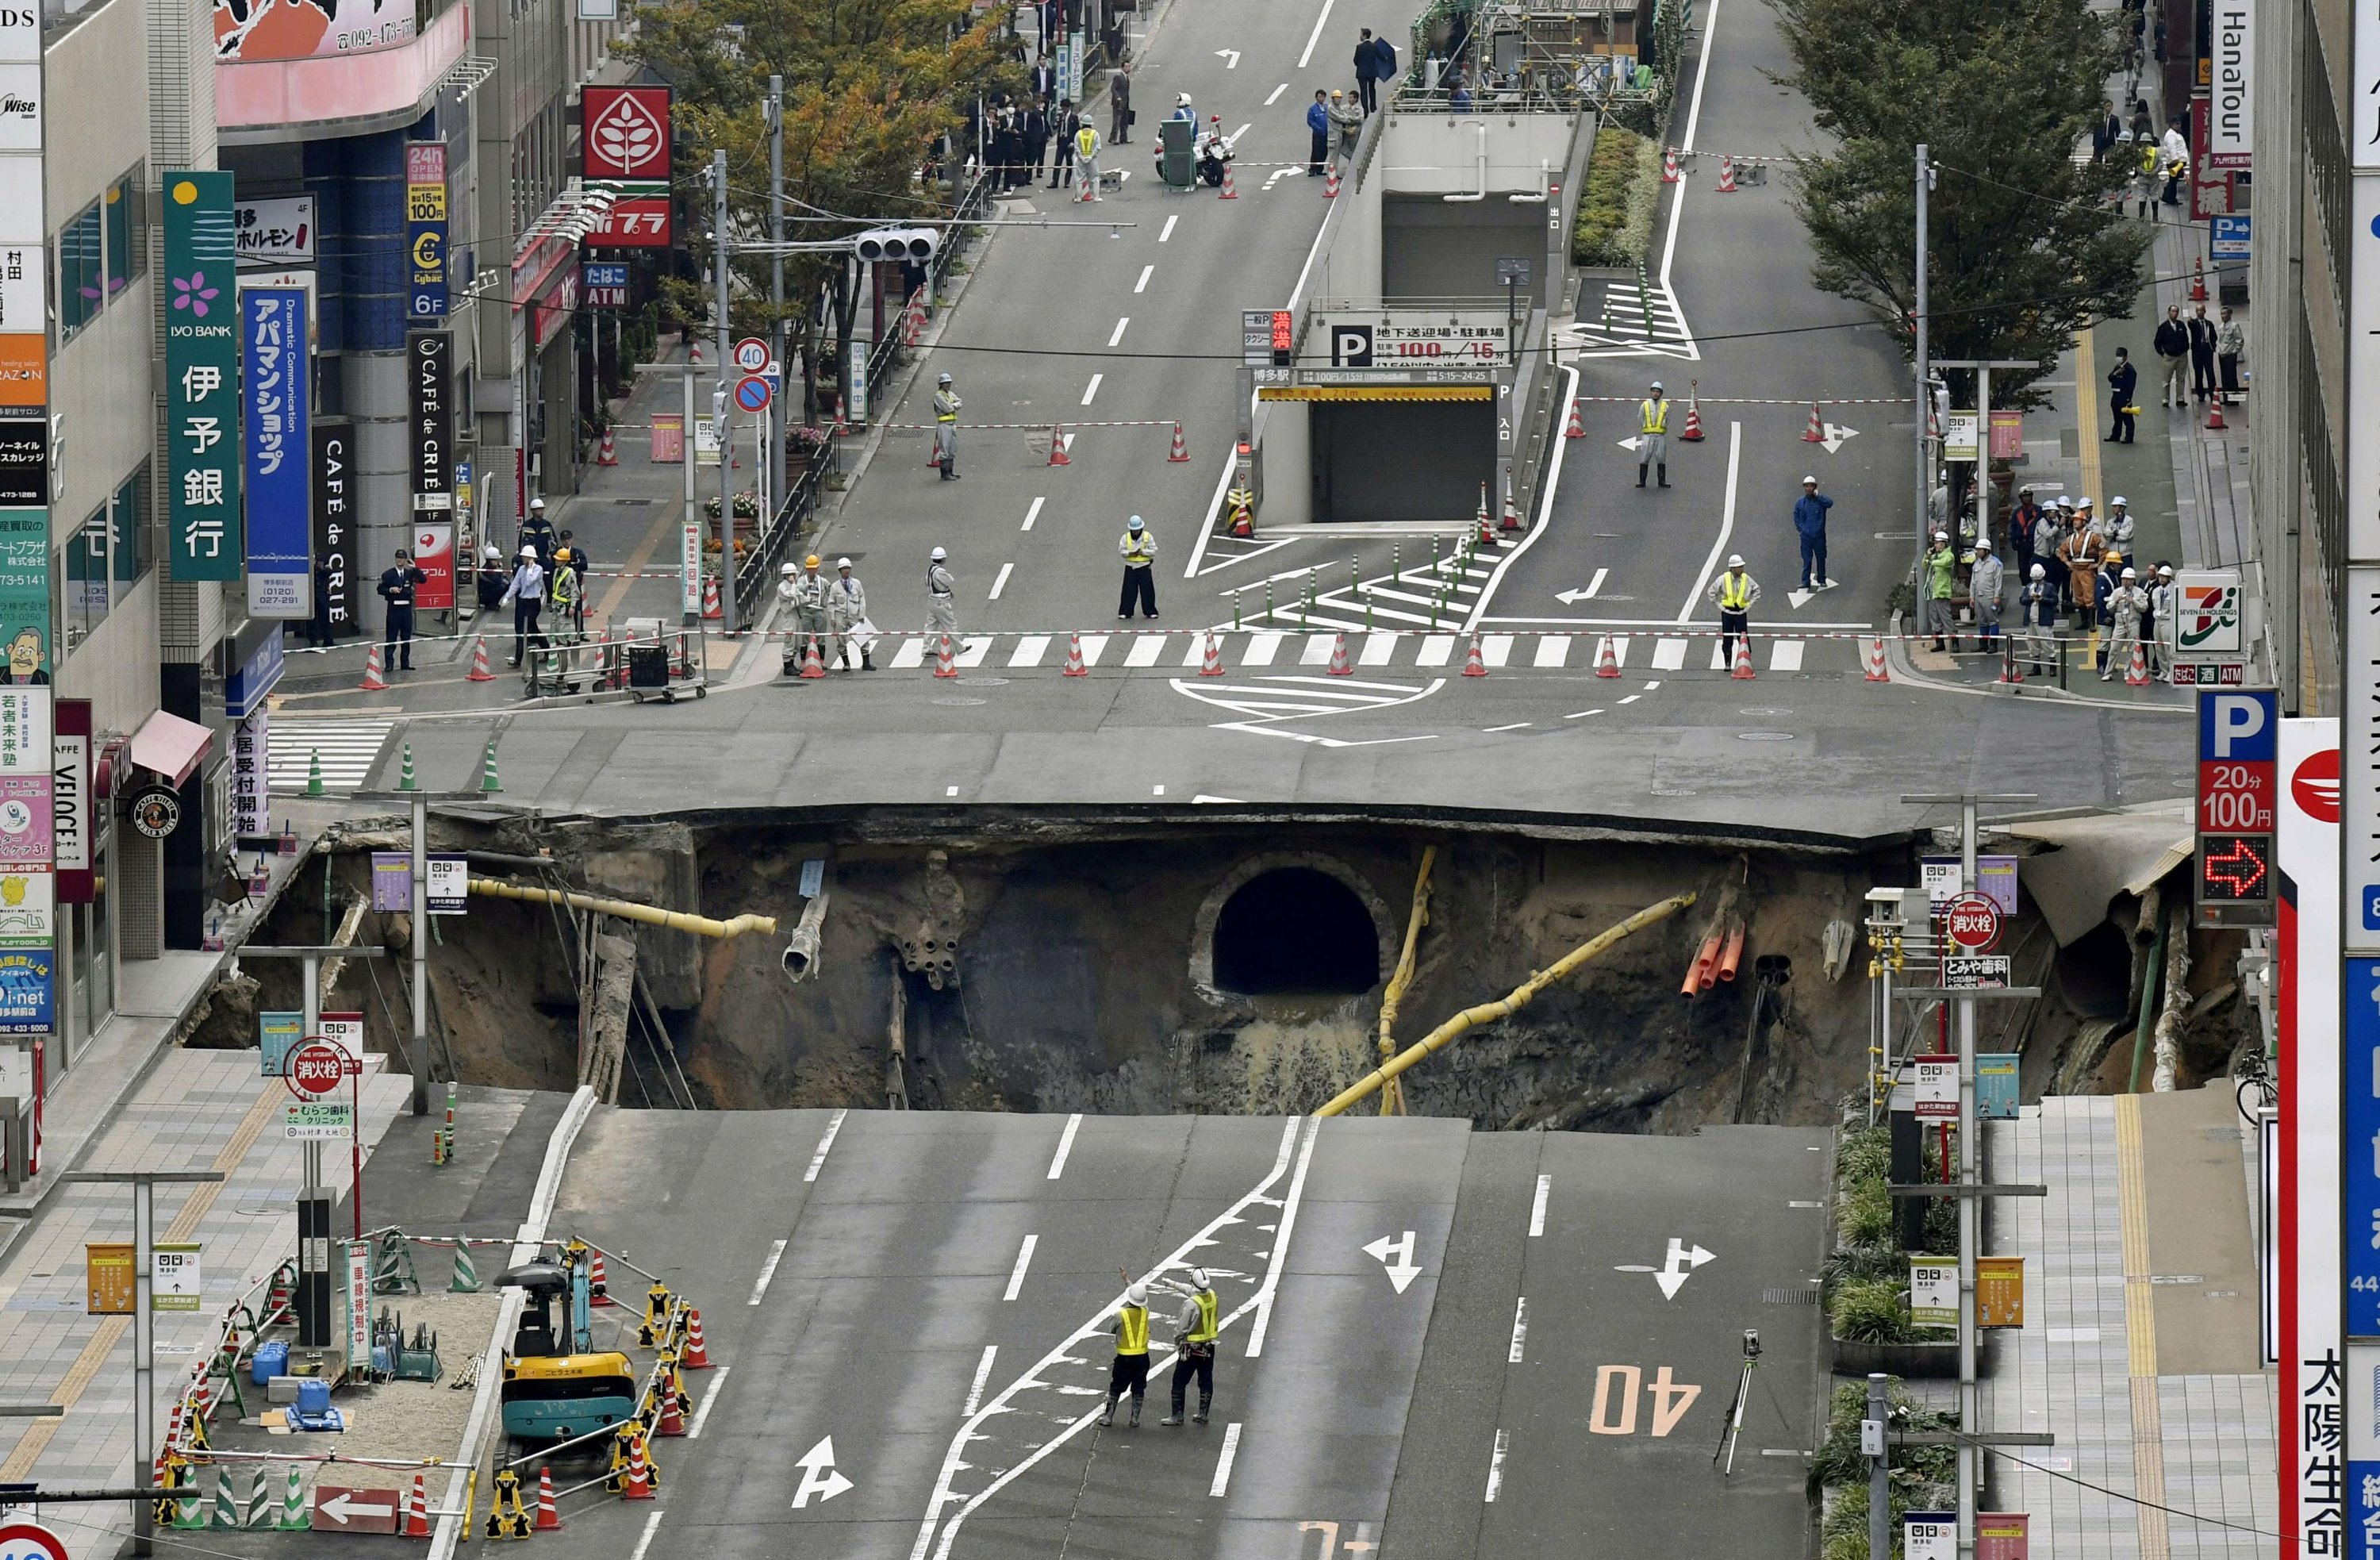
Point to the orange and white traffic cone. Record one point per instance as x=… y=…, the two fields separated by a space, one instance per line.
x=1607 y=660
x=2136 y=671
x=1816 y=432
x=549 y=1516
x=1743 y=672
x=1575 y=430
x=1670 y=164
x=1181 y=454
x=373 y=682
x=2197 y=279
x=1486 y=527
x=1476 y=667
x=2012 y=665
x=1074 y=667
x=638 y=1483
x=694 y=352
x=813 y=663
x=841 y=424
x=1330 y=185
x=605 y=454
x=696 y=1356
x=1058 y=455
x=479 y=672
x=945 y=663
x=1339 y=667
x=1244 y=521
x=711 y=607
x=1694 y=433
x=1511 y=521
x=416 y=1511
x=1727 y=175
x=1212 y=665
x=1876 y=667
x=597 y=1288
x=672 y=1419
x=1230 y=190
x=2215 y=423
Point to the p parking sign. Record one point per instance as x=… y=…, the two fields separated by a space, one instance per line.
x=2239 y=732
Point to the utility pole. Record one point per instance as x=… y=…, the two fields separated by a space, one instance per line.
x=776 y=418
x=1984 y=366
x=718 y=398
x=1925 y=373
x=692 y=614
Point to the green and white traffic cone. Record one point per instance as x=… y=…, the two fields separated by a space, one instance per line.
x=487 y=770
x=314 y=771
x=226 y=1508
x=467 y=1277
x=405 y=771
x=188 y=1514
x=293 y=1503
x=259 y=1499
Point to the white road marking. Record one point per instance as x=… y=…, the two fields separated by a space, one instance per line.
x=1116 y=337
x=1276 y=177
x=645 y=1541
x=1520 y=1330
x=1238 y=133
x=1264 y=1297
x=911 y=654
x=1577 y=715
x=1631 y=698
x=1074 y=1125
x=952 y=791
x=702 y=1409
x=1168 y=231
x=1496 y=1467
x=982 y=1374
x=1317 y=36
x=1261 y=648
x=769 y=1268
x=1491 y=730
x=1230 y=58
x=1000 y=582
x=1552 y=650
x=834 y=1123
x=1033 y=514
x=1545 y=511
x=1145 y=649
x=1544 y=1183
x=1727 y=514
x=1596 y=584
x=1276 y=94
x=1670 y=655
x=1157 y=790
x=1436 y=650
x=1378 y=649
x=1092 y=645
x=1223 y=1463
x=1024 y=1260
x=1092 y=389
x=1030 y=648
x=1651 y=686
x=1146 y=273
x=1787 y=655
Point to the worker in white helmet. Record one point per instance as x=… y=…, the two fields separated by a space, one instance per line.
x=1734 y=591
x=846 y=615
x=1138 y=547
x=941 y=599
x=946 y=428
x=527 y=594
x=1653 y=434
x=1194 y=1338
x=1130 y=1325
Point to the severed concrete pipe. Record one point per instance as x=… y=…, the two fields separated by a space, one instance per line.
x=1488 y=1012
x=676 y=920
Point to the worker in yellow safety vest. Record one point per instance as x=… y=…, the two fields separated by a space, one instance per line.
x=1131 y=1329
x=1138 y=548
x=1653 y=435
x=946 y=429
x=1193 y=1336
x=1734 y=591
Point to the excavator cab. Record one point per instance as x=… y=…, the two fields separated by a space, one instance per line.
x=557 y=1385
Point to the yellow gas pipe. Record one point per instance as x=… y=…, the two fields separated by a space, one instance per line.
x=676 y=920
x=1393 y=1095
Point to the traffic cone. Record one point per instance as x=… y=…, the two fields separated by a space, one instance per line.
x=1074 y=667
x=549 y=1516
x=1243 y=524
x=1475 y=667
x=479 y=672
x=639 y=1484
x=1816 y=432
x=672 y=1419
x=405 y=781
x=1694 y=433
x=1606 y=662
x=1727 y=175
x=1576 y=430
x=292 y=1502
x=1231 y=192
x=1487 y=529
x=1670 y=164
x=1511 y=521
x=813 y=665
x=1330 y=185
x=694 y=353
x=1212 y=665
x=1743 y=672
x=710 y=608
x=605 y=454
x=1181 y=455
x=1058 y=446
x=1875 y=668
x=373 y=682
x=2136 y=670
x=2197 y=280
x=945 y=663
x=842 y=425
x=2011 y=666
x=2215 y=423
x=696 y=1356
x=1339 y=667
x=488 y=785
x=416 y=1511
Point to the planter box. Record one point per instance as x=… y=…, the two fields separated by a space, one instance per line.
x=1927 y=1361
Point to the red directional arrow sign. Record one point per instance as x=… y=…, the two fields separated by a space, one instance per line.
x=345 y=1510
x=1972 y=921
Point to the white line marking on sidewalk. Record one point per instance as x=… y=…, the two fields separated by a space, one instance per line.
x=1146 y=273
x=1264 y=1297
x=644 y=1542
x=1168 y=232
x=835 y=1125
x=1024 y=1260
x=1066 y=1138
x=1276 y=94
x=1520 y=1330
x=1546 y=1183
x=768 y=1271
x=1000 y=582
x=1496 y=1467
x=1316 y=35
x=1223 y=1463
x=982 y=1374
x=702 y=1409
x=1092 y=389
x=1033 y=513
x=1116 y=338
x=1726 y=520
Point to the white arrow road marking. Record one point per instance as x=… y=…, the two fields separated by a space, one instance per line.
x=1631 y=443
x=1678 y=1266
x=1836 y=436
x=1404 y=1271
x=1230 y=58
x=343 y=1506
x=818 y=1477
x=1276 y=175
x=1799 y=598
x=1572 y=598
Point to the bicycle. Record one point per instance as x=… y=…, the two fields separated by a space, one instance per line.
x=2253 y=1070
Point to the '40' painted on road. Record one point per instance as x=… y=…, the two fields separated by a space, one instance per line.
x=1616 y=1391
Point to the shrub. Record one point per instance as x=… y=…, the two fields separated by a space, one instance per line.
x=1622 y=180
x=1870 y=1310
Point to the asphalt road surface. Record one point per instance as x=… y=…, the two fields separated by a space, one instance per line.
x=906 y=1312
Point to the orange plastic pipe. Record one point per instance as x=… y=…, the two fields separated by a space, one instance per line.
x=1697 y=973
x=1733 y=953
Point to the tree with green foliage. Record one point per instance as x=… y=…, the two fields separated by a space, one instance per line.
x=2026 y=245
x=871 y=86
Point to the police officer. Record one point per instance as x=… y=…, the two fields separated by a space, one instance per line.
x=1735 y=592
x=396 y=585
x=318 y=627
x=527 y=594
x=1653 y=435
x=847 y=607
x=537 y=532
x=946 y=429
x=1138 y=547
x=942 y=602
x=1129 y=1371
x=1194 y=1336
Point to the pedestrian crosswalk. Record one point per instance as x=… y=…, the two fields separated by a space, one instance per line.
x=1261 y=648
x=1630 y=321
x=346 y=749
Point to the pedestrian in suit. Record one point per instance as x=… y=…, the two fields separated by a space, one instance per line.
x=1062 y=128
x=2173 y=351
x=1367 y=91
x=2201 y=355
x=1119 y=104
x=1036 y=132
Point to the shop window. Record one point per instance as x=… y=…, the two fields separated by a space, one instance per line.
x=130 y=513
x=87 y=588
x=79 y=276
x=128 y=232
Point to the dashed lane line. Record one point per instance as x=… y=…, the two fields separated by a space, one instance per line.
x=1074 y=1122
x=776 y=1255
x=703 y=1411
x=1017 y=1273
x=818 y=1159
x=982 y=1374
x=1224 y=1460
x=1544 y=1183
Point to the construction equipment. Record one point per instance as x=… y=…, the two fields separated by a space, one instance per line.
x=556 y=1383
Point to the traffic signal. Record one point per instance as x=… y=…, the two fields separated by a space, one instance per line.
x=896 y=243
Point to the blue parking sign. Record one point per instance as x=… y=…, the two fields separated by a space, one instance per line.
x=2227 y=238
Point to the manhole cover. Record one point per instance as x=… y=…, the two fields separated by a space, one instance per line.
x=1669 y=791
x=954 y=700
x=1764 y=737
x=985 y=682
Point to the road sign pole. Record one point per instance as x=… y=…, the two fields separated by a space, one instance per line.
x=726 y=451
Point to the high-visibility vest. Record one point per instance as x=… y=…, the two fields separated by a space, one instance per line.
x=1138 y=549
x=1086 y=142
x=1208 y=1325
x=946 y=406
x=1134 y=1339
x=1656 y=415
x=1735 y=593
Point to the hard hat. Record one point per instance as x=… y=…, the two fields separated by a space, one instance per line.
x=2064 y=502
x=1809 y=481
x=2165 y=571
x=810 y=562
x=1182 y=100
x=1657 y=384
x=937 y=554
x=535 y=505
x=1985 y=545
x=2039 y=572
x=790 y=567
x=2083 y=502
x=944 y=379
x=2132 y=574
x=1941 y=536
x=2115 y=502
x=2113 y=556
x=562 y=555
x=491 y=553
x=1735 y=560
x=529 y=555
x=1198 y=1277
x=1136 y=1294
x=1136 y=523
x=843 y=563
